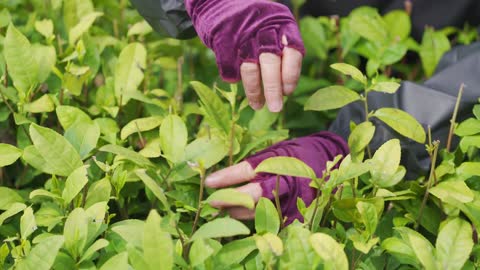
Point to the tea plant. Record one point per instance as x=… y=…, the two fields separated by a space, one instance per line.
x=108 y=131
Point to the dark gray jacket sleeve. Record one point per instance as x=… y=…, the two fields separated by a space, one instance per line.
x=167 y=17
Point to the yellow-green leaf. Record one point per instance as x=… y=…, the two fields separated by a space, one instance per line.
x=402 y=122
x=331 y=97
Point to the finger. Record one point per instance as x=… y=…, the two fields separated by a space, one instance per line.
x=242 y=172
x=270 y=66
x=291 y=68
x=250 y=73
x=254 y=190
x=241 y=213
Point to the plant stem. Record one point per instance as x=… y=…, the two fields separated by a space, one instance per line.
x=367 y=119
x=200 y=197
x=431 y=178
x=232 y=144
x=179 y=91
x=454 y=117
x=277 y=200
x=316 y=208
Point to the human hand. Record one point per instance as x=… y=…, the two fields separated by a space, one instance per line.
x=257 y=41
x=315 y=150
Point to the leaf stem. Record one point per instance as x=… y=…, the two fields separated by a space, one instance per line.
x=454 y=117
x=232 y=142
x=367 y=119
x=277 y=200
x=200 y=197
x=433 y=152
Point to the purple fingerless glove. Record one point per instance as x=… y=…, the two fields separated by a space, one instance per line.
x=315 y=150
x=240 y=30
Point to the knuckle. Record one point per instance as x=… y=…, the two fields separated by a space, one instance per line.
x=272 y=88
x=249 y=69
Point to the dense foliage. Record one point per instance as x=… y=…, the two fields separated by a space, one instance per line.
x=107 y=132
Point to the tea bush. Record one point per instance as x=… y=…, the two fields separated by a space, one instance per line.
x=108 y=131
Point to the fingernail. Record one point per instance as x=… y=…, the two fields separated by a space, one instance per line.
x=256 y=105
x=288 y=88
x=210 y=181
x=275 y=106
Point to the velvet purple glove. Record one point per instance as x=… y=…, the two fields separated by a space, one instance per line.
x=315 y=150
x=240 y=30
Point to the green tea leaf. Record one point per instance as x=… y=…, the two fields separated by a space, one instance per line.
x=286 y=166
x=74 y=78
x=43 y=255
x=157 y=244
x=298 y=252
x=452 y=192
x=350 y=70
x=140 y=125
x=471 y=126
x=454 y=244
x=331 y=252
x=361 y=137
x=68 y=115
x=402 y=123
x=83 y=136
x=33 y=157
x=468 y=169
x=386 y=87
x=173 y=138
x=117 y=262
x=8 y=154
x=434 y=45
x=422 y=248
x=220 y=227
x=398 y=24
x=8 y=197
x=331 y=97
x=44 y=27
x=206 y=150
x=5 y=18
x=98 y=245
x=314 y=36
x=199 y=252
x=129 y=71
x=76 y=232
x=369 y=25
x=99 y=191
x=82 y=26
x=128 y=154
x=55 y=149
x=469 y=141
x=401 y=250
x=368 y=213
x=45 y=57
x=41 y=105
x=20 y=59
x=266 y=217
x=74 y=184
x=74 y=10
x=236 y=251
x=14 y=209
x=386 y=160
x=27 y=223
x=232 y=197
x=154 y=187
x=140 y=28
x=215 y=111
